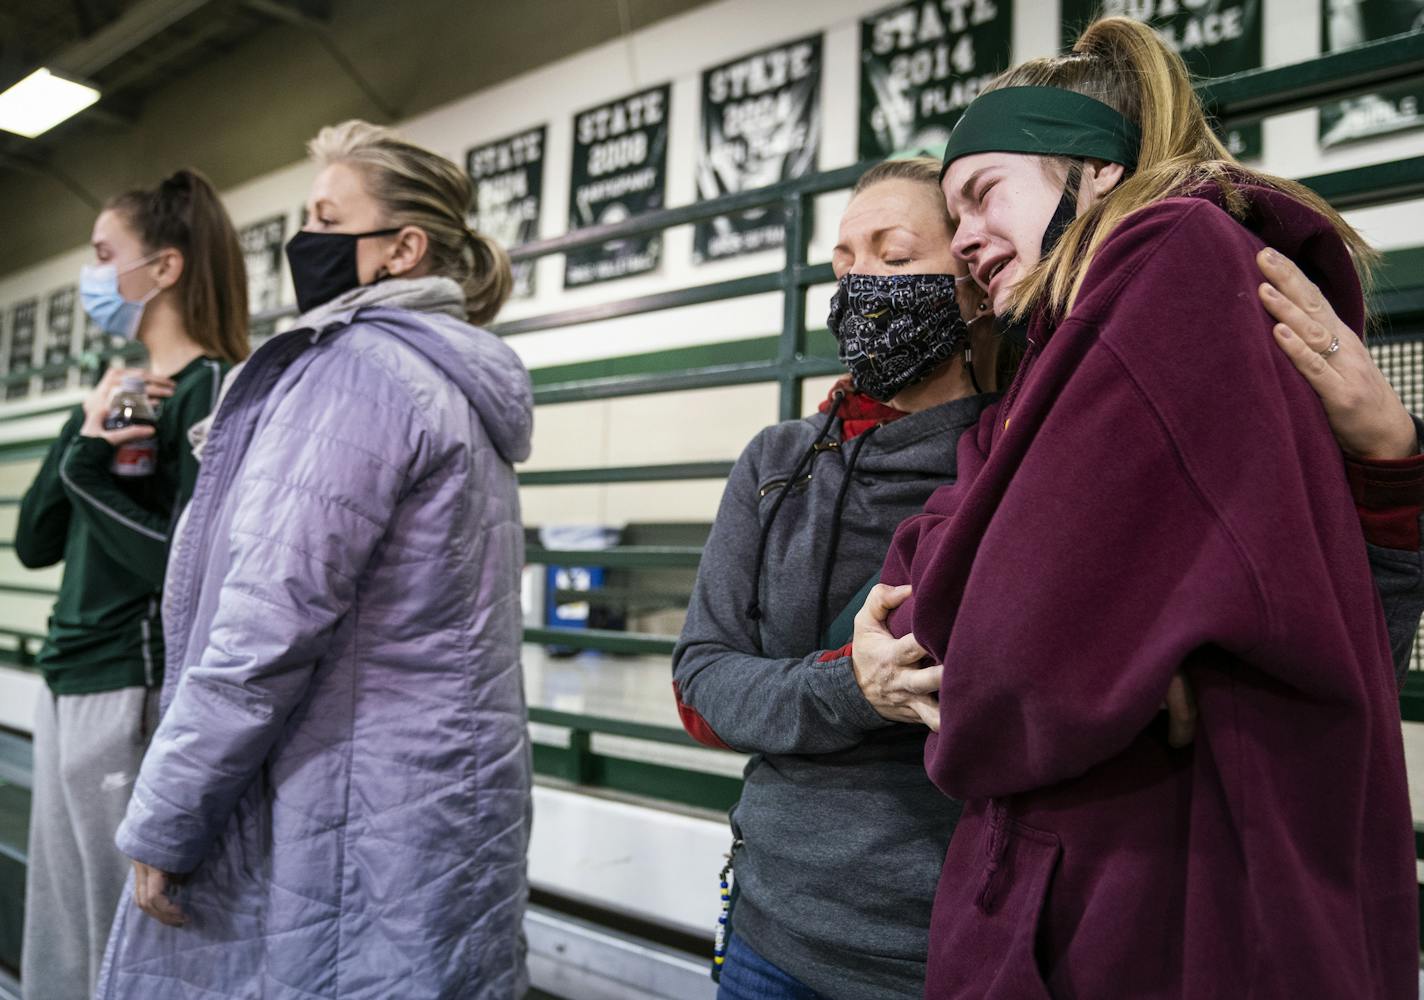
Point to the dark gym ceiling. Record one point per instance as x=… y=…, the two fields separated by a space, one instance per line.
x=235 y=87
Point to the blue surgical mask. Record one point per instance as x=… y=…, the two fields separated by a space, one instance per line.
x=100 y=296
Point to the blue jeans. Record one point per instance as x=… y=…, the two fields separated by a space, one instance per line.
x=748 y=976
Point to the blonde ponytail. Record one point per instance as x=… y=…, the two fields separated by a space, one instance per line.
x=417 y=187
x=1125 y=65
x=491 y=278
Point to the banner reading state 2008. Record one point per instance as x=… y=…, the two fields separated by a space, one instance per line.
x=761 y=124
x=1215 y=37
x=1348 y=23
x=619 y=171
x=509 y=185
x=921 y=64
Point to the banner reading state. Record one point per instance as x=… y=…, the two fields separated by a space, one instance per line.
x=619 y=171
x=1348 y=23
x=263 y=244
x=1214 y=37
x=761 y=124
x=921 y=64
x=23 y=320
x=59 y=335
x=509 y=185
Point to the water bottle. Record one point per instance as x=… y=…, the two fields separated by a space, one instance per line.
x=130 y=408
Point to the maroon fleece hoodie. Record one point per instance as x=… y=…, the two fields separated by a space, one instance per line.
x=1159 y=492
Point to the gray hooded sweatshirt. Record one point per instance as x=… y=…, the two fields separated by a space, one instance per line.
x=842 y=834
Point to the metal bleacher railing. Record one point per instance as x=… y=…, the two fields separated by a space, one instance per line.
x=795 y=354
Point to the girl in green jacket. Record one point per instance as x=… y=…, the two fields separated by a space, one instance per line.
x=169 y=273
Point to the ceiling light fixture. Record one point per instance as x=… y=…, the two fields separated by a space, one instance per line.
x=41 y=101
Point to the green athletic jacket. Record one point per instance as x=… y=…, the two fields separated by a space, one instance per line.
x=112 y=534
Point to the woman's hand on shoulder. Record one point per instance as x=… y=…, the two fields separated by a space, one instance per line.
x=1364 y=411
x=96 y=405
x=891 y=672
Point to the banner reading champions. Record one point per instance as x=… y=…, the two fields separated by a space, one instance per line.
x=1348 y=23
x=619 y=170
x=921 y=64
x=1215 y=37
x=761 y=124
x=509 y=186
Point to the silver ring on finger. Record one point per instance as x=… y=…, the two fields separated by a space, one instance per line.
x=1334 y=346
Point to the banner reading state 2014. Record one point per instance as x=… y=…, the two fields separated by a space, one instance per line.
x=1348 y=23
x=509 y=186
x=619 y=171
x=761 y=124
x=921 y=64
x=1215 y=37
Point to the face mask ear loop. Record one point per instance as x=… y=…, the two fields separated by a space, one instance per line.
x=1064 y=214
x=142 y=303
x=152 y=293
x=141 y=262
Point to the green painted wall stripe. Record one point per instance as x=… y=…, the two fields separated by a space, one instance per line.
x=819 y=343
x=613 y=727
x=22 y=589
x=1376 y=184
x=635 y=643
x=627 y=474
x=661 y=782
x=619 y=557
x=1275 y=90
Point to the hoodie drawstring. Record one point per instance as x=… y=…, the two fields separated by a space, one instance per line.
x=835 y=539
x=996 y=848
x=754 y=607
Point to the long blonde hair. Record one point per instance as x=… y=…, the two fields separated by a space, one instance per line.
x=417 y=187
x=1124 y=64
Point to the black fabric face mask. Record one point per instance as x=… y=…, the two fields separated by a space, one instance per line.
x=894 y=329
x=324 y=265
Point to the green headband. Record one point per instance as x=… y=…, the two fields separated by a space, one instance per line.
x=1045 y=121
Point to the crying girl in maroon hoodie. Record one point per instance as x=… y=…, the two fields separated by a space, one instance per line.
x=1158 y=493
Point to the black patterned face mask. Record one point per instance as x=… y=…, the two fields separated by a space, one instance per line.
x=894 y=329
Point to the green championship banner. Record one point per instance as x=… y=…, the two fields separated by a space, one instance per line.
x=1214 y=37
x=509 y=186
x=761 y=124
x=921 y=64
x=1347 y=23
x=21 y=355
x=59 y=334
x=263 y=251
x=619 y=170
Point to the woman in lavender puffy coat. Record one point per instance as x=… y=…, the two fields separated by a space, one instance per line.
x=337 y=800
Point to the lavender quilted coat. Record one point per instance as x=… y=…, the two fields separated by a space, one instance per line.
x=343 y=763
